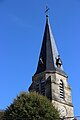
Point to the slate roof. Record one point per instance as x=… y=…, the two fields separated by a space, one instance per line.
x=49 y=52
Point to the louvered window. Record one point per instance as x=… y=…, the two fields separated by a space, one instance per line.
x=37 y=87
x=61 y=89
x=43 y=87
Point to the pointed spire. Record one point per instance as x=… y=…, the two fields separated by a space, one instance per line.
x=49 y=59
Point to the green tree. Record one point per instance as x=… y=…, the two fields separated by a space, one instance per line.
x=1 y=114
x=31 y=106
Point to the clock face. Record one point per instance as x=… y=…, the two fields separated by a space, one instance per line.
x=62 y=111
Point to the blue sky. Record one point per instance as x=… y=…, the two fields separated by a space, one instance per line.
x=22 y=24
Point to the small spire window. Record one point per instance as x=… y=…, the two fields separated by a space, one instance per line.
x=61 y=89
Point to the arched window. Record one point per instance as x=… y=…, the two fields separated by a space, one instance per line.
x=61 y=89
x=37 y=87
x=43 y=87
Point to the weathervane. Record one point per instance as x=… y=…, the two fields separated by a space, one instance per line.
x=46 y=11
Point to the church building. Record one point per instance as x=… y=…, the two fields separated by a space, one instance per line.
x=50 y=79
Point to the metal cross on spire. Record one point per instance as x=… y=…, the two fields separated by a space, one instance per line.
x=46 y=11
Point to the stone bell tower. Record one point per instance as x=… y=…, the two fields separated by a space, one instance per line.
x=50 y=79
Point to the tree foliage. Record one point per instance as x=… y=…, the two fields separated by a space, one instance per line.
x=1 y=114
x=31 y=106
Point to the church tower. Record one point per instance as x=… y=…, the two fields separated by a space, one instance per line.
x=50 y=79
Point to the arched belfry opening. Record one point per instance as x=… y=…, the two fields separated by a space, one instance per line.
x=61 y=89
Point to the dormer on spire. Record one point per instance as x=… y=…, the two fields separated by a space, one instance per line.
x=58 y=61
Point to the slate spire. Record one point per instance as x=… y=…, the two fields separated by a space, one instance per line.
x=49 y=59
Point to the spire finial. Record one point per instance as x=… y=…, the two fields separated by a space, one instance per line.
x=46 y=11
